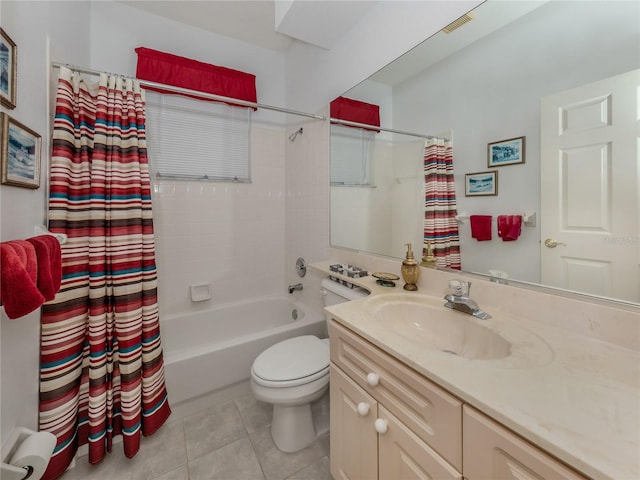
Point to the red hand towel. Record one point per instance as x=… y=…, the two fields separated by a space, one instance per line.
x=27 y=255
x=18 y=276
x=503 y=225
x=515 y=226
x=49 y=264
x=480 y=227
x=509 y=227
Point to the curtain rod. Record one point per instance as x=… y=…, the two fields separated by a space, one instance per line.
x=186 y=91
x=381 y=129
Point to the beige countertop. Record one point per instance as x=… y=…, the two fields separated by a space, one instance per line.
x=576 y=397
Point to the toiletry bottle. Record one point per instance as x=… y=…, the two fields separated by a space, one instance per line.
x=428 y=259
x=410 y=271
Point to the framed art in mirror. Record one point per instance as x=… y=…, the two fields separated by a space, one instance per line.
x=481 y=184
x=8 y=69
x=506 y=152
x=20 y=154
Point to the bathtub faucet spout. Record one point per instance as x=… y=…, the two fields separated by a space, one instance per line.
x=295 y=287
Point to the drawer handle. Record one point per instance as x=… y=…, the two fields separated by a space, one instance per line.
x=363 y=409
x=381 y=425
x=373 y=379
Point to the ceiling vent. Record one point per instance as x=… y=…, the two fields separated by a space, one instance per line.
x=466 y=18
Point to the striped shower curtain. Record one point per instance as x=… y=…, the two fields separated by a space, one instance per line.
x=440 y=225
x=101 y=366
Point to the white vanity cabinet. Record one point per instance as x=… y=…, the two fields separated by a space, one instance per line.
x=388 y=422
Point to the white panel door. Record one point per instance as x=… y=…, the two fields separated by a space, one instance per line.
x=590 y=180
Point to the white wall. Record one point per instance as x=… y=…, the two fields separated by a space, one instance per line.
x=491 y=91
x=228 y=235
x=316 y=76
x=307 y=203
x=40 y=30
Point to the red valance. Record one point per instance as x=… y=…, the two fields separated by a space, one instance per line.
x=161 y=67
x=351 y=110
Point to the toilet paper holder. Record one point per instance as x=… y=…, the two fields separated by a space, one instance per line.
x=10 y=471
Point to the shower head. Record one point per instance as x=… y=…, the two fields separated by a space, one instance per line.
x=293 y=136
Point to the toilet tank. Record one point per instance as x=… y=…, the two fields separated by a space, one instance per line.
x=335 y=293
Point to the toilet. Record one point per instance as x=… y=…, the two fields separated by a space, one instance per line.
x=293 y=375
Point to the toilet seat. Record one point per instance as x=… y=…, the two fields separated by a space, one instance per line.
x=292 y=362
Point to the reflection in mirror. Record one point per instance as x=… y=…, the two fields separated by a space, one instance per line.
x=378 y=211
x=502 y=71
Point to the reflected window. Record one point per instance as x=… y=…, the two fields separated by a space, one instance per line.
x=352 y=156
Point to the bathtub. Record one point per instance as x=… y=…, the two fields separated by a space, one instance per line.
x=215 y=348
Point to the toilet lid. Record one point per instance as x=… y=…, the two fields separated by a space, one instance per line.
x=302 y=358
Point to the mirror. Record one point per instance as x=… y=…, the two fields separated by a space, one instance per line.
x=480 y=84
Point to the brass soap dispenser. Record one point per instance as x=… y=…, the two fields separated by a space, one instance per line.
x=410 y=271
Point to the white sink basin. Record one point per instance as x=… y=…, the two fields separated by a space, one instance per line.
x=425 y=321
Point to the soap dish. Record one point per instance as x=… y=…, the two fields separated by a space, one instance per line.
x=386 y=279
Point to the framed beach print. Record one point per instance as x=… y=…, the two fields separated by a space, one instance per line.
x=481 y=184
x=20 y=155
x=8 y=68
x=506 y=152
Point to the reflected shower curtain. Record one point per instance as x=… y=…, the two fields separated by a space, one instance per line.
x=101 y=365
x=440 y=225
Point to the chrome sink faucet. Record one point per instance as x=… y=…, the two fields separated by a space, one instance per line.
x=458 y=299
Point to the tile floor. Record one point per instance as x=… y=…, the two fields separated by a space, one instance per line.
x=229 y=441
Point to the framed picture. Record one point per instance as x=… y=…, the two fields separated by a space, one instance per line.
x=506 y=152
x=20 y=155
x=481 y=184
x=8 y=69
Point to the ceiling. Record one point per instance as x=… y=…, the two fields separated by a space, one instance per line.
x=318 y=22
x=487 y=18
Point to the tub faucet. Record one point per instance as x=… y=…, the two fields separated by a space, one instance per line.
x=458 y=299
x=295 y=287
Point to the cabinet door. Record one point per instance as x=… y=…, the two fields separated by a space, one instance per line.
x=402 y=455
x=354 y=440
x=432 y=413
x=493 y=452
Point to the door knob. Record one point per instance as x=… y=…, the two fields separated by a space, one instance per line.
x=551 y=243
x=363 y=409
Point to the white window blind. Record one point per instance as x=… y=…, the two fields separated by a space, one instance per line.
x=351 y=155
x=194 y=139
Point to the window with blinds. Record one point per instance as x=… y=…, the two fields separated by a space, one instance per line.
x=198 y=140
x=351 y=156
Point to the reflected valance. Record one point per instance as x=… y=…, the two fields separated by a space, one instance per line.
x=344 y=108
x=169 y=69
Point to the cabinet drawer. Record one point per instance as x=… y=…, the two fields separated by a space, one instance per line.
x=433 y=414
x=493 y=452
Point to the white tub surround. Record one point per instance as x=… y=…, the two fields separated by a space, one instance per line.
x=575 y=389
x=215 y=348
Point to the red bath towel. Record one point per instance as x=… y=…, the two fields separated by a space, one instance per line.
x=480 y=227
x=509 y=227
x=49 y=264
x=18 y=278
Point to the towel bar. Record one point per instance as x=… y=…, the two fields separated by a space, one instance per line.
x=42 y=230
